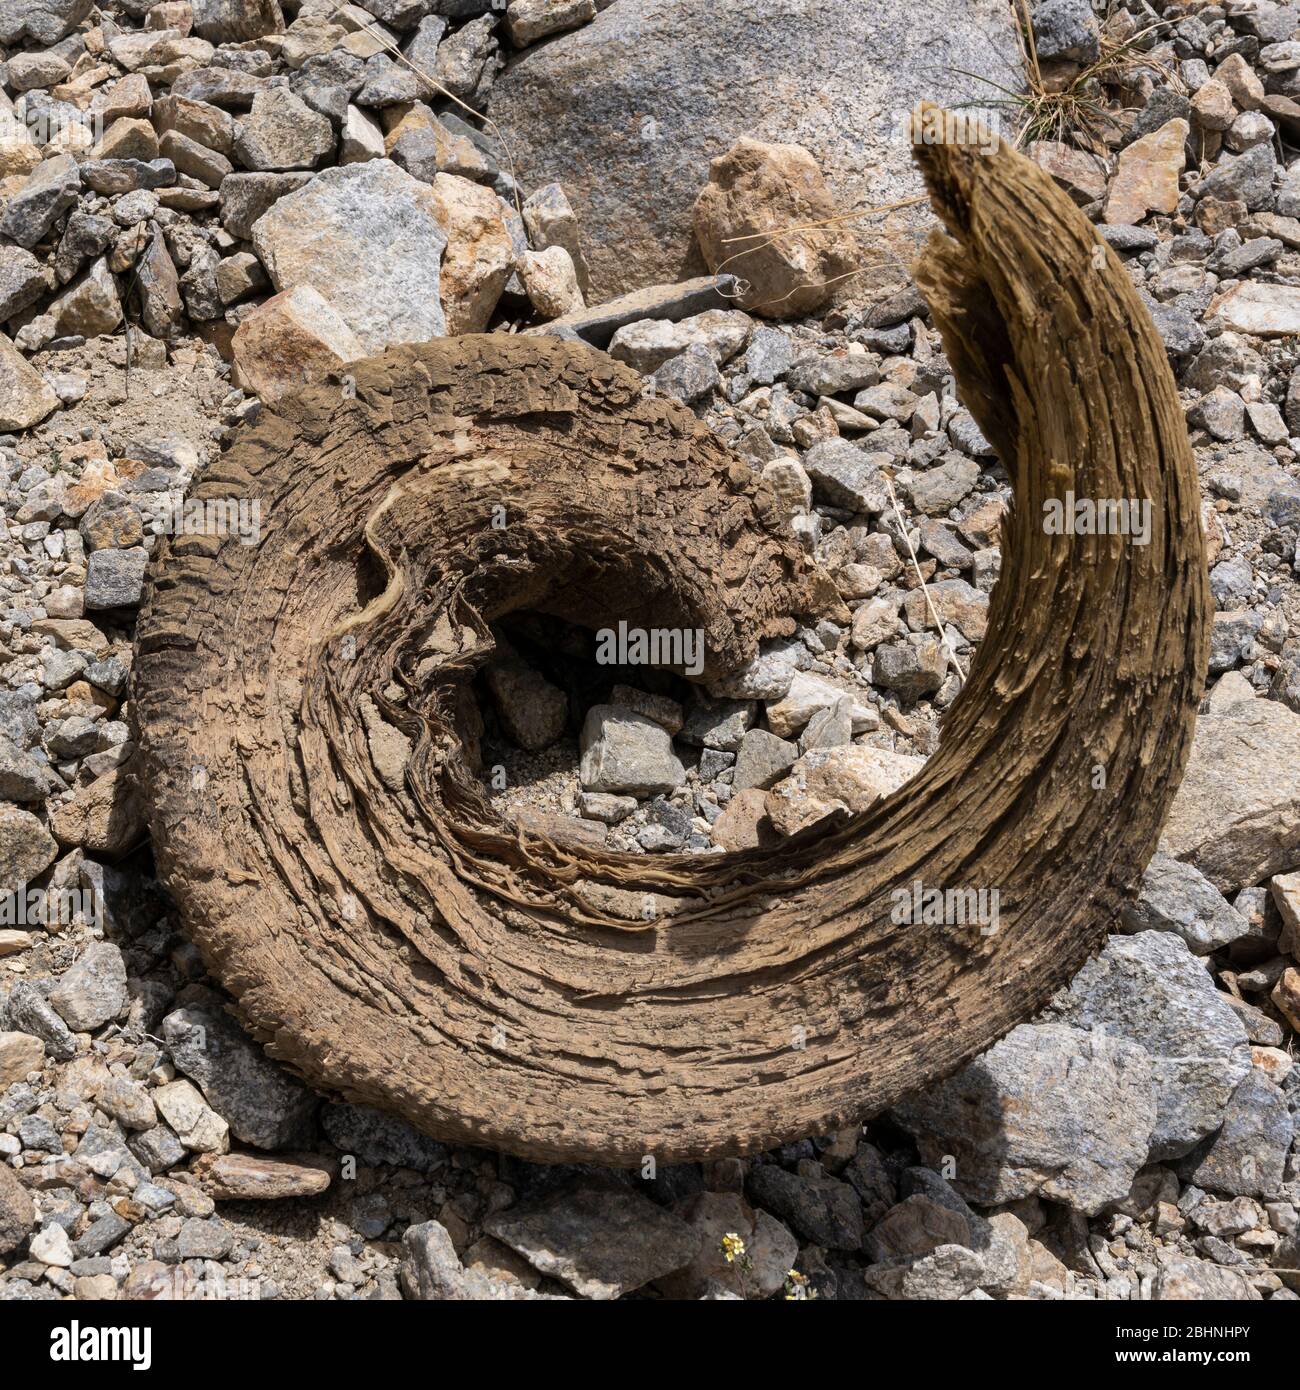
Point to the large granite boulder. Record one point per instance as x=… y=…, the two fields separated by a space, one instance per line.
x=627 y=112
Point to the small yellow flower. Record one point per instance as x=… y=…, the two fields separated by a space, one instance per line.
x=733 y=1248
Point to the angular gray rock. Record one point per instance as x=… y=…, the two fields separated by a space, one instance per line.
x=236 y=21
x=1247 y=1157
x=1066 y=29
x=43 y=21
x=1236 y=816
x=115 y=578
x=245 y=197
x=204 y=1239
x=913 y=667
x=373 y=1138
x=650 y=343
x=767 y=677
x=1048 y=1110
x=532 y=710
x=261 y=1102
x=820 y=1208
x=688 y=377
x=49 y=191
x=282 y=133
x=1177 y=897
x=602 y=1242
x=432 y=1271
x=368 y=237
x=627 y=112
x=94 y=991
x=718 y=724
x=161 y=307
x=22 y=280
x=623 y=751
x=846 y=476
x=30 y=1012
x=762 y=759
x=1150 y=990
x=466 y=63
x=938 y=490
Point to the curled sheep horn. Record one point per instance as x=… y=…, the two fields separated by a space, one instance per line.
x=392 y=939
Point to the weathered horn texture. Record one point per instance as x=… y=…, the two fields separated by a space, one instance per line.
x=306 y=727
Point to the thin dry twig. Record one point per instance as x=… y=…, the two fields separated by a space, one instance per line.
x=824 y=222
x=925 y=589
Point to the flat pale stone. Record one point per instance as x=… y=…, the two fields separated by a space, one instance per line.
x=670 y=302
x=250 y=1177
x=25 y=397
x=1146 y=179
x=1262 y=310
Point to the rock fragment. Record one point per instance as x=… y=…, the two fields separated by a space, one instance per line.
x=292 y=339
x=601 y=1242
x=369 y=237
x=743 y=218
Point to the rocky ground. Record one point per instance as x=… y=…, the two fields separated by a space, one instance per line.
x=203 y=204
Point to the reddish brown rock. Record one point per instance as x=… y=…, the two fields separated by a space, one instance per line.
x=1146 y=179
x=294 y=338
x=744 y=220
